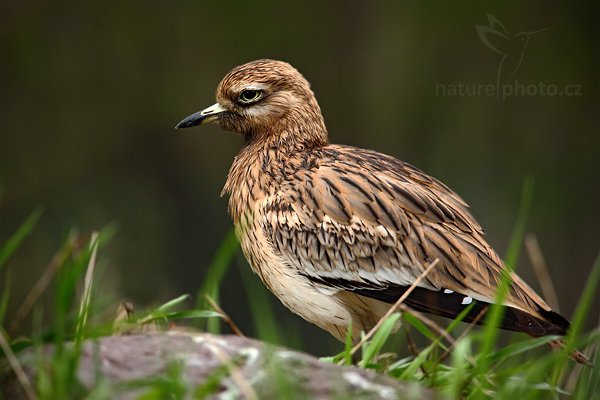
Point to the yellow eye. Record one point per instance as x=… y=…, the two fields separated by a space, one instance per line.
x=249 y=96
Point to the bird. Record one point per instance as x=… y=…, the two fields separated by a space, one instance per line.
x=338 y=233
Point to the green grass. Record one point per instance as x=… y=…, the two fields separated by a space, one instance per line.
x=461 y=362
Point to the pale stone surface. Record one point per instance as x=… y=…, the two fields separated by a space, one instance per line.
x=255 y=370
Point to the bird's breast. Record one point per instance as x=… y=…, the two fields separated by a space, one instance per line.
x=293 y=289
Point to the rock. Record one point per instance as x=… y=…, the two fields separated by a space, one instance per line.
x=213 y=366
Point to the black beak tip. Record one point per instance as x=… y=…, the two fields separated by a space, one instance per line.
x=192 y=120
x=186 y=123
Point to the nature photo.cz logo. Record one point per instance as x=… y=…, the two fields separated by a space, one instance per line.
x=511 y=53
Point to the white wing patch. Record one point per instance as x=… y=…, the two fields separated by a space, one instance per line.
x=467 y=300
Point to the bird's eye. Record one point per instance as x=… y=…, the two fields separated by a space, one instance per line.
x=249 y=96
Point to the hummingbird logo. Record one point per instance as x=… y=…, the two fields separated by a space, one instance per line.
x=511 y=47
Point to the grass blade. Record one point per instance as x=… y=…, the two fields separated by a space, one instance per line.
x=373 y=347
x=12 y=244
x=86 y=297
x=419 y=326
x=585 y=302
x=216 y=271
x=490 y=332
x=172 y=303
x=4 y=300
x=518 y=234
x=175 y=315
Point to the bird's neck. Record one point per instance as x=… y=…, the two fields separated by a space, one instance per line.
x=301 y=128
x=260 y=169
x=257 y=172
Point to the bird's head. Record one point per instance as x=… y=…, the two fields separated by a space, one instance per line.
x=265 y=100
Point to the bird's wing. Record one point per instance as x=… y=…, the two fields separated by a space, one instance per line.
x=362 y=221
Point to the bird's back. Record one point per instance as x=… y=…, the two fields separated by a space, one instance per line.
x=351 y=220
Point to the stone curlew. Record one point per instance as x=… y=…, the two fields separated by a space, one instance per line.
x=339 y=233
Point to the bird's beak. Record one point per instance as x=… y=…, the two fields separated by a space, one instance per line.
x=207 y=115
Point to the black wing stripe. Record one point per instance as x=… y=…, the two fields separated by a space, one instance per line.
x=450 y=305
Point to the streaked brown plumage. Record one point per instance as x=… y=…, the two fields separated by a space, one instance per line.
x=338 y=233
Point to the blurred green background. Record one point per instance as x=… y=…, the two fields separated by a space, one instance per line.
x=90 y=93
